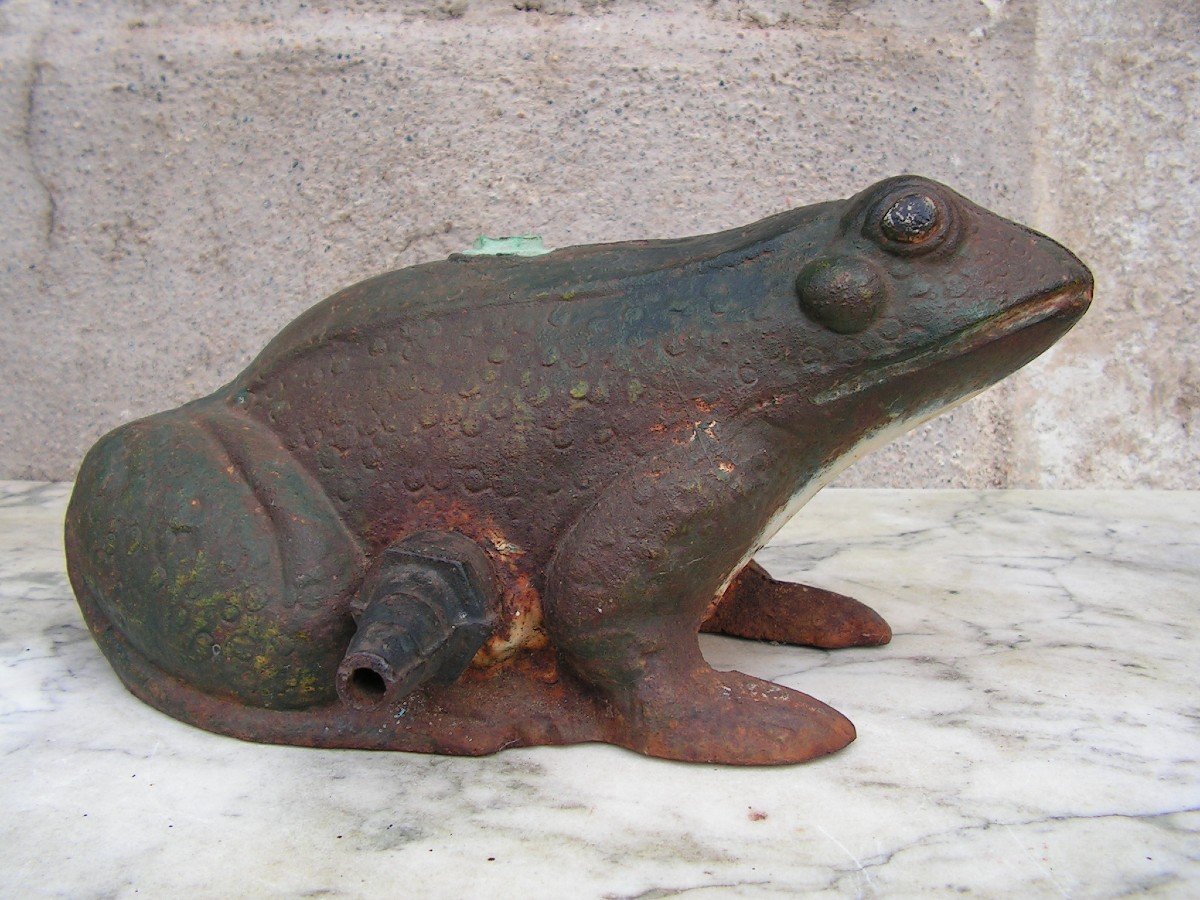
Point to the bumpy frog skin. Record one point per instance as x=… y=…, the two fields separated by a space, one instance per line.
x=490 y=501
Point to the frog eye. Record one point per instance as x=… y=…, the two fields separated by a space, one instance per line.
x=910 y=219
x=913 y=220
x=845 y=294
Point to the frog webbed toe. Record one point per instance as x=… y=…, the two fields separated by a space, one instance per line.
x=759 y=607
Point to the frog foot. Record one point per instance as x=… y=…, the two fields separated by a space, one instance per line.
x=732 y=719
x=757 y=606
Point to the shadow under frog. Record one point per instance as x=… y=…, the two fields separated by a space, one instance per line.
x=489 y=501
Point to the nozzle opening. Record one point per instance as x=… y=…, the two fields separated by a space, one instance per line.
x=368 y=684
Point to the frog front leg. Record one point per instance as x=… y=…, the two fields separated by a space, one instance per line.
x=625 y=593
x=762 y=608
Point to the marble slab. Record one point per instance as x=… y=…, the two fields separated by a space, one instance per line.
x=1032 y=730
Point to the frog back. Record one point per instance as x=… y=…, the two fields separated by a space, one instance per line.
x=502 y=392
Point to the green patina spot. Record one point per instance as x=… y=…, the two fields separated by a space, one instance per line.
x=634 y=390
x=186 y=577
x=232 y=609
x=516 y=245
x=579 y=390
x=305 y=685
x=522 y=414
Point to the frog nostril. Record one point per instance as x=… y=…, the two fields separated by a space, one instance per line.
x=845 y=294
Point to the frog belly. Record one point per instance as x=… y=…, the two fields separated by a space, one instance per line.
x=870 y=442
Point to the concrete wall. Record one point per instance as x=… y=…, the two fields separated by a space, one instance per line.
x=181 y=182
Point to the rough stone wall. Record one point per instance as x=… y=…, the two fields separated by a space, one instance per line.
x=181 y=180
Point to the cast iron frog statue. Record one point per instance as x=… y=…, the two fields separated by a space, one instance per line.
x=489 y=501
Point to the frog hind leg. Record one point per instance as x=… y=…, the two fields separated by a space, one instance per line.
x=762 y=608
x=202 y=554
x=625 y=592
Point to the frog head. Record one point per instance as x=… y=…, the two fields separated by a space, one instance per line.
x=916 y=299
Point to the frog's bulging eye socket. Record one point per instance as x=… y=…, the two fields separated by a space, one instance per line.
x=845 y=294
x=910 y=219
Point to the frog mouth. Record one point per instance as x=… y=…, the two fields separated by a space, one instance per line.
x=1064 y=304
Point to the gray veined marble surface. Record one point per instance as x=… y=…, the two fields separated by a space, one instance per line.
x=1033 y=730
